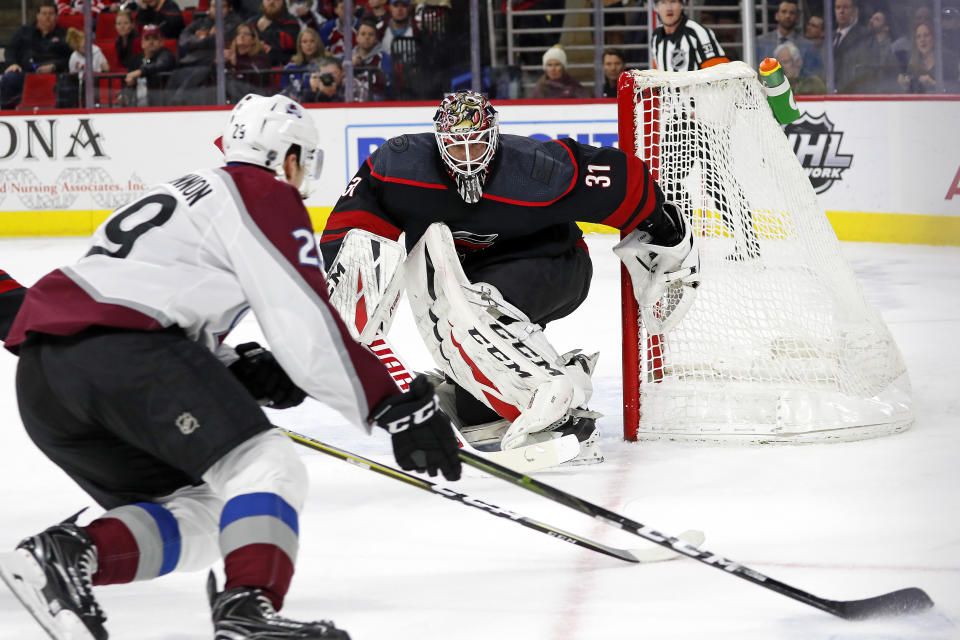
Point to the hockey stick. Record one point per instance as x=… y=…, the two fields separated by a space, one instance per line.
x=901 y=602
x=655 y=554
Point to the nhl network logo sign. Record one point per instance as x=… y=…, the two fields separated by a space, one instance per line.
x=817 y=145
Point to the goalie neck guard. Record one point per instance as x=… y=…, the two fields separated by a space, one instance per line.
x=467 y=133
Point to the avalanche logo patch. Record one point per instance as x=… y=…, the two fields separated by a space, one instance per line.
x=186 y=423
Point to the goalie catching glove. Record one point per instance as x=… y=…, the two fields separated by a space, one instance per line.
x=422 y=436
x=264 y=378
x=664 y=272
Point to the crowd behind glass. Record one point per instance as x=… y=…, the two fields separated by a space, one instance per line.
x=157 y=53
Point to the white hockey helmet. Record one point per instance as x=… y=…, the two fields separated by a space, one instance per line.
x=262 y=129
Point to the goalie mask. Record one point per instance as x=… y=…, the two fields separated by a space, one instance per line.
x=261 y=131
x=466 y=129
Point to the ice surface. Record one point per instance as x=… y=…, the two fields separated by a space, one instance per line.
x=386 y=561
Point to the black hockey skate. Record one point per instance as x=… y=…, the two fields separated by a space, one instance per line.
x=245 y=613
x=50 y=575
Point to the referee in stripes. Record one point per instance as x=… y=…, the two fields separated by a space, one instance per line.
x=681 y=44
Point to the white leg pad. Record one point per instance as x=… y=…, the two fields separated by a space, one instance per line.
x=486 y=345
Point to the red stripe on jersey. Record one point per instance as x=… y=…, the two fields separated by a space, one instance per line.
x=583 y=244
x=264 y=566
x=640 y=182
x=117 y=552
x=342 y=222
x=56 y=305
x=9 y=285
x=412 y=183
x=573 y=183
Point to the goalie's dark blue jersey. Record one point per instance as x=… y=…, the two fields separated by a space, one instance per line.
x=536 y=193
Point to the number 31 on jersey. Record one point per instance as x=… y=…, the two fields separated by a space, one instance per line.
x=596 y=176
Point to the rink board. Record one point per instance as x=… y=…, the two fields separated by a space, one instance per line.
x=883 y=169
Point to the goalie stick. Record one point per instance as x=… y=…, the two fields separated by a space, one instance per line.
x=901 y=602
x=655 y=554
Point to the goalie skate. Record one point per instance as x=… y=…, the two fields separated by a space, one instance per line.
x=487 y=437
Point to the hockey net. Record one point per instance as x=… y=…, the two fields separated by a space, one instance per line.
x=780 y=344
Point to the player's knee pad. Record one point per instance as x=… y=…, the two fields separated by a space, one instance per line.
x=484 y=343
x=265 y=463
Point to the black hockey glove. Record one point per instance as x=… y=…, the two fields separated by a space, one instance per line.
x=423 y=438
x=264 y=378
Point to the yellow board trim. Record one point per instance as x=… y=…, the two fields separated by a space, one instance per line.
x=853 y=226
x=15 y=224
x=862 y=226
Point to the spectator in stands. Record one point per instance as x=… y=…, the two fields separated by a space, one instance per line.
x=375 y=11
x=75 y=7
x=400 y=24
x=69 y=88
x=814 y=31
x=310 y=51
x=555 y=81
x=35 y=48
x=851 y=48
x=920 y=75
x=903 y=45
x=791 y=59
x=165 y=13
x=788 y=29
x=306 y=14
x=146 y=82
x=332 y=31
x=371 y=65
x=278 y=30
x=613 y=65
x=246 y=60
x=198 y=53
x=127 y=43
x=77 y=61
x=325 y=85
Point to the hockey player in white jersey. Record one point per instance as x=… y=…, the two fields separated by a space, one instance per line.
x=121 y=383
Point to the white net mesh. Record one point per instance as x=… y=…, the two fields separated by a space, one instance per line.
x=779 y=344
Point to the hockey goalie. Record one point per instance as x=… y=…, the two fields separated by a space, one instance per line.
x=493 y=255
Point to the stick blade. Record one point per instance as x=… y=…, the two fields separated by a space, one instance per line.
x=896 y=603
